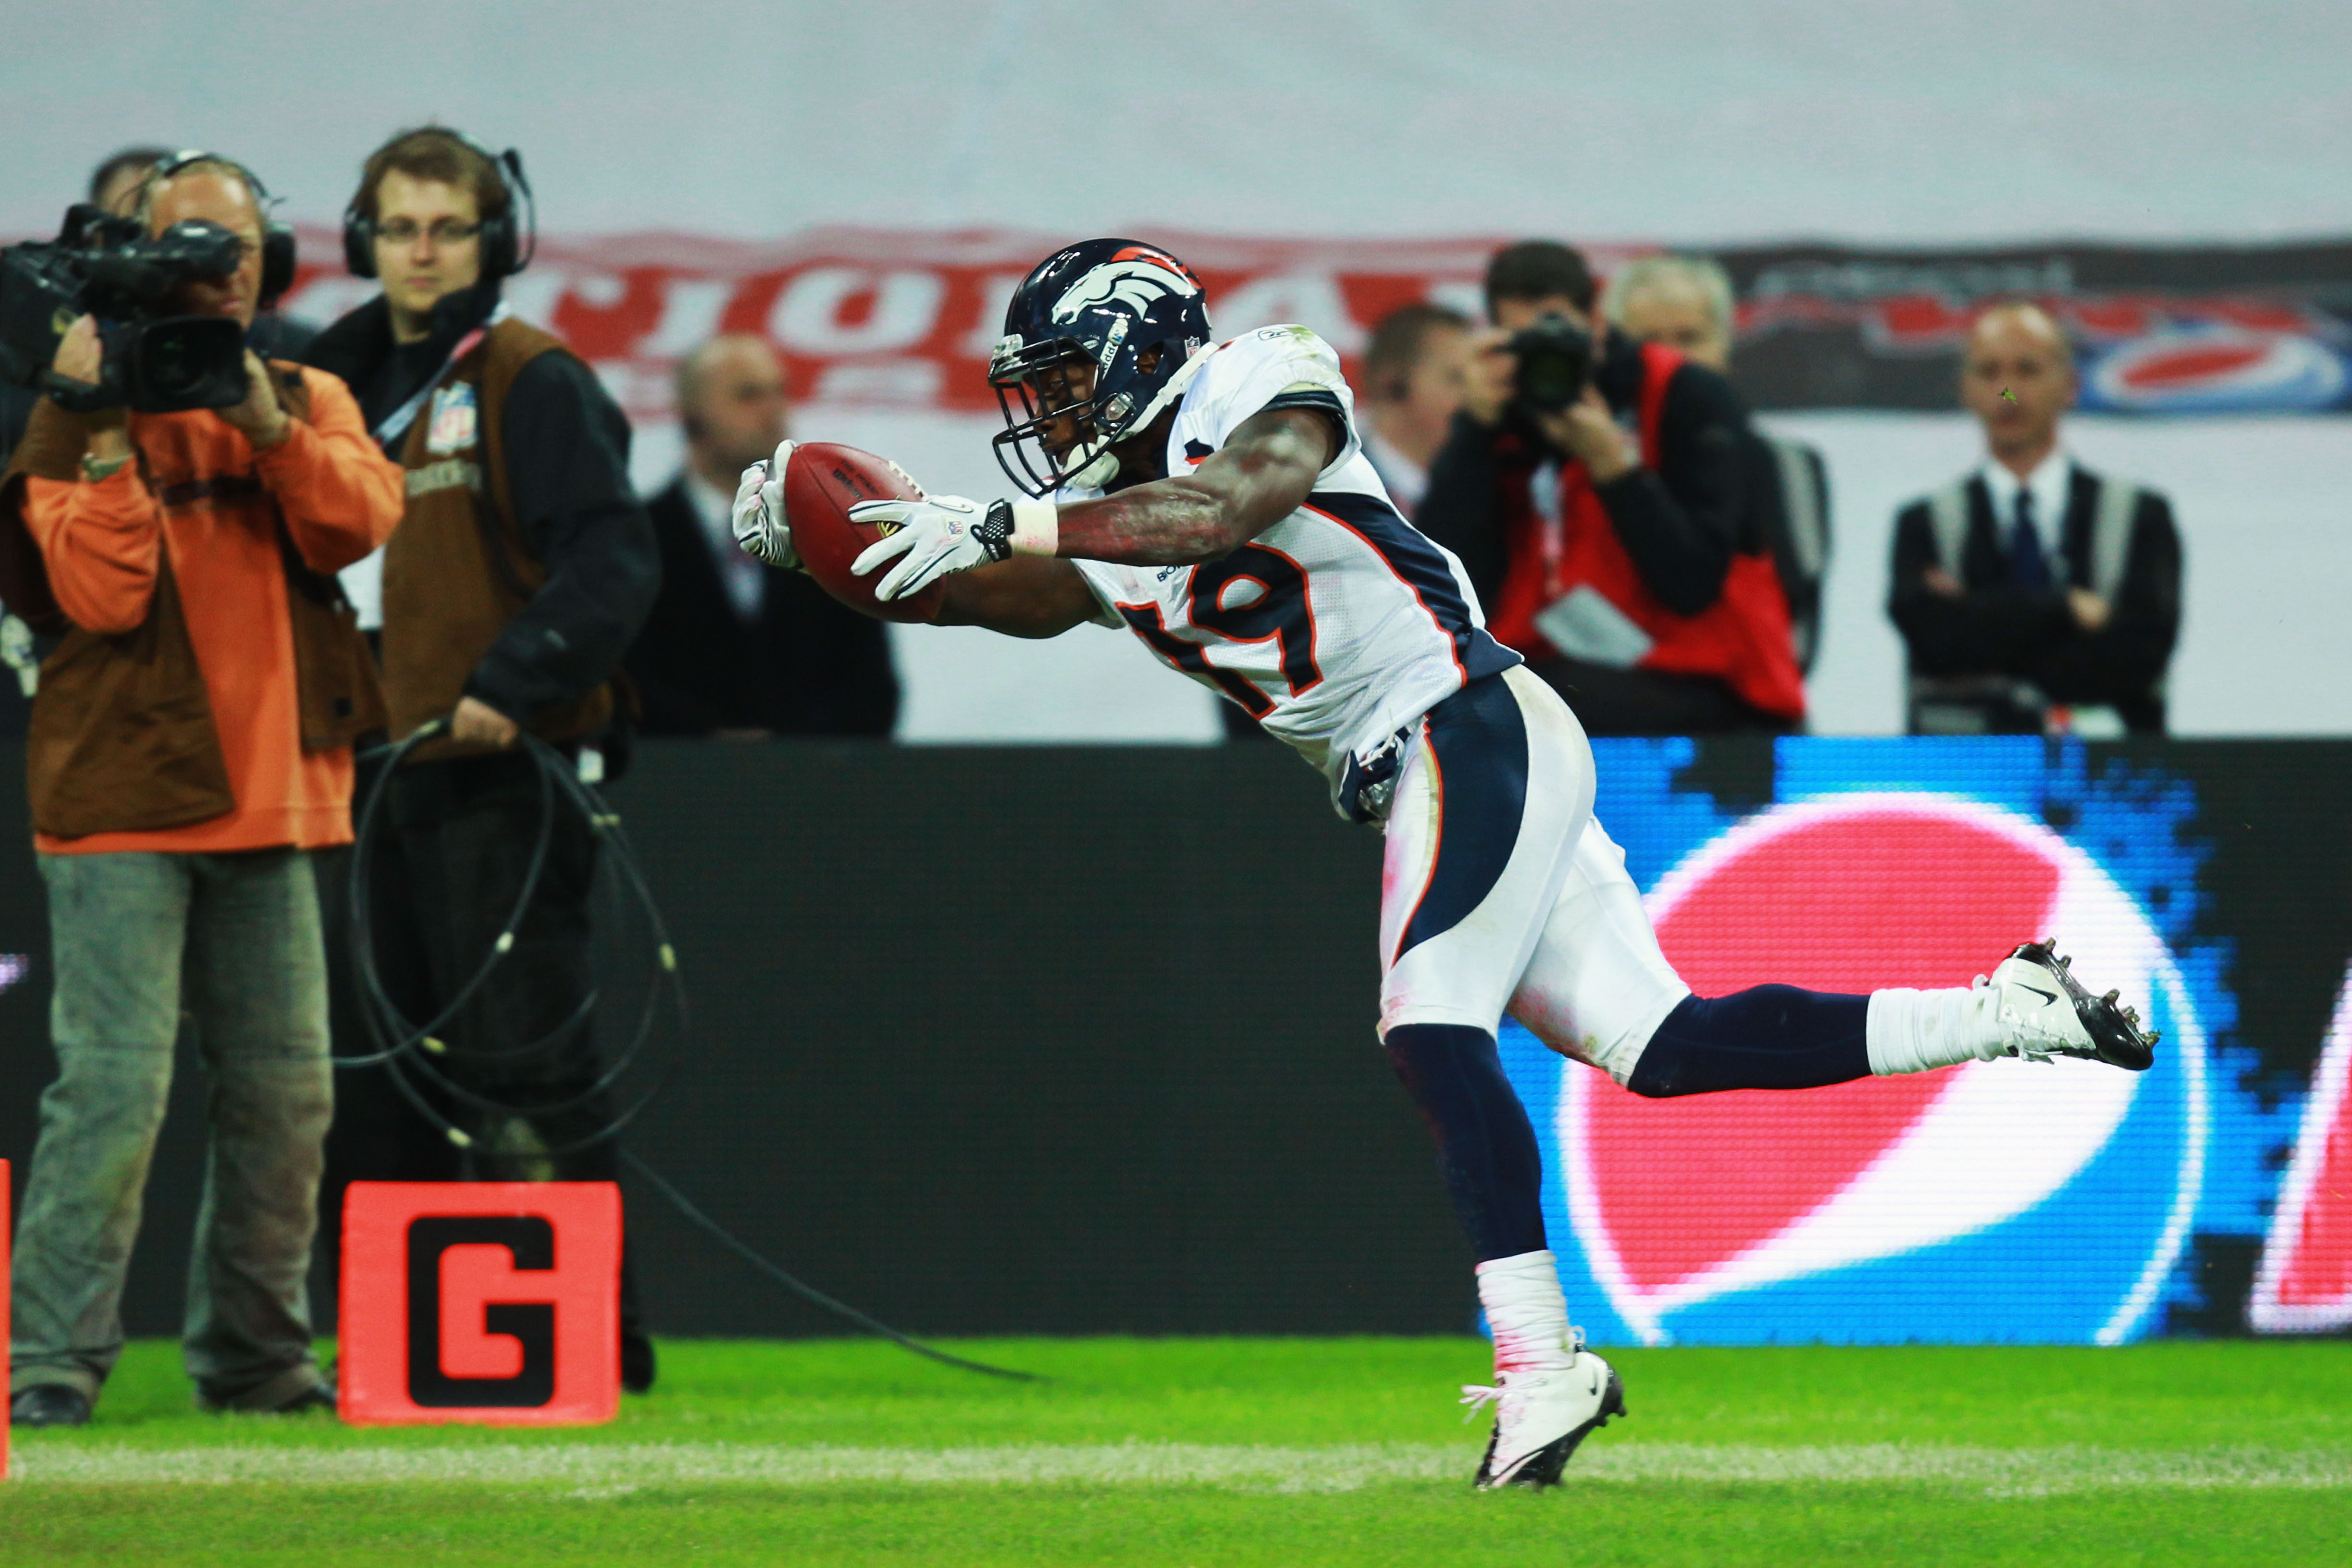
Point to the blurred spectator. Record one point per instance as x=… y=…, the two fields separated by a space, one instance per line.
x=2035 y=594
x=735 y=649
x=523 y=569
x=114 y=183
x=192 y=744
x=1685 y=302
x=1411 y=386
x=1606 y=539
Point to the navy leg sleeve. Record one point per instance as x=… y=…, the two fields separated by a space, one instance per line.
x=1767 y=1037
x=1485 y=1147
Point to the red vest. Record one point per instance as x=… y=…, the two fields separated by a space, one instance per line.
x=1742 y=639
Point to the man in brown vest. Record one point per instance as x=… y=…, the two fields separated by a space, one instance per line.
x=521 y=571
x=190 y=745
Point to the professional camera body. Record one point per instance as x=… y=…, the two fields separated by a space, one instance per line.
x=108 y=267
x=1555 y=364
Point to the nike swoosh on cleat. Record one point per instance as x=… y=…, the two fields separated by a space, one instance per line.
x=2045 y=996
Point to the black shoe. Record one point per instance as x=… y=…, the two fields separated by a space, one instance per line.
x=636 y=1363
x=319 y=1395
x=50 y=1404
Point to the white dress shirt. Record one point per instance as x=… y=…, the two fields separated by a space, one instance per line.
x=745 y=579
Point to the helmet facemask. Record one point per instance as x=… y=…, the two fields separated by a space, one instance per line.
x=1020 y=369
x=1111 y=305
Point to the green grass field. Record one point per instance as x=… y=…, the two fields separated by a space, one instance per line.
x=1247 y=1452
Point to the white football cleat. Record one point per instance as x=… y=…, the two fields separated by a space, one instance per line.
x=1541 y=1415
x=2046 y=1013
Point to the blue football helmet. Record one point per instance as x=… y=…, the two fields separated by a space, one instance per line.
x=1109 y=303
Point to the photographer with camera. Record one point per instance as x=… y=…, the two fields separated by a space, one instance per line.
x=1595 y=491
x=522 y=571
x=175 y=512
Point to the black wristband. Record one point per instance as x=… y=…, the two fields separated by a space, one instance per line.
x=994 y=531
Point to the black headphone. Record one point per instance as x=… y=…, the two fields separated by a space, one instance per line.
x=277 y=238
x=502 y=256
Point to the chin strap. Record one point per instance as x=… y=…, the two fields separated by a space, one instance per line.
x=1097 y=466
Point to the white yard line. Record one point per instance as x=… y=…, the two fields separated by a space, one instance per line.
x=604 y=1469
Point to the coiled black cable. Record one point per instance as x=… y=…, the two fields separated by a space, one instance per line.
x=403 y=1046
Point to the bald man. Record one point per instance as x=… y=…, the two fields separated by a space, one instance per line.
x=2035 y=594
x=735 y=649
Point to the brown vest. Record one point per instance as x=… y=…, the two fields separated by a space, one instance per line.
x=459 y=566
x=121 y=737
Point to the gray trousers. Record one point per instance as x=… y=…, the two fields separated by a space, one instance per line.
x=137 y=937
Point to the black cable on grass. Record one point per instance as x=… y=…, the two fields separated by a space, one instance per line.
x=405 y=1046
x=810 y=1293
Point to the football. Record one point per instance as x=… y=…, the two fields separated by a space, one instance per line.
x=821 y=481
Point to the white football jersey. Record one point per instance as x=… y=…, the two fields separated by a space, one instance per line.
x=1338 y=626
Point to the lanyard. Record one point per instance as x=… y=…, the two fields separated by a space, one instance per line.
x=1548 y=489
x=395 y=424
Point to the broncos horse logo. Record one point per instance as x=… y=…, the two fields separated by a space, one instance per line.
x=1135 y=278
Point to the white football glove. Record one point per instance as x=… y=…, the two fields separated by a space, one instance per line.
x=759 y=526
x=940 y=535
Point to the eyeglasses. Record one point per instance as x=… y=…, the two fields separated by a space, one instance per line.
x=445 y=231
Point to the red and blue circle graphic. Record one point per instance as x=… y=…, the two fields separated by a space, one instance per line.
x=1994 y=1200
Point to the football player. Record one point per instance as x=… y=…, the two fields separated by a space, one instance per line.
x=1214 y=499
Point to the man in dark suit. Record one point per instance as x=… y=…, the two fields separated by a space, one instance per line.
x=2035 y=595
x=734 y=649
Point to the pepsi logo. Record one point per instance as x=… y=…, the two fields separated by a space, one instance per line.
x=2218 y=370
x=2053 y=1197
x=2304 y=1284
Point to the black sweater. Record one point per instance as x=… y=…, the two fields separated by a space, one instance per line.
x=567 y=454
x=1681 y=522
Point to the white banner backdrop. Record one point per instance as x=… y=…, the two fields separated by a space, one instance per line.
x=1703 y=122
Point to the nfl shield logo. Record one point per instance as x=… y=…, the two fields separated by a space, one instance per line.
x=452 y=429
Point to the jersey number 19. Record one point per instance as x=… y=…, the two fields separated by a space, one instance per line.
x=1280 y=611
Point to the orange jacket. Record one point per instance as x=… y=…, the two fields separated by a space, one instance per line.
x=341 y=498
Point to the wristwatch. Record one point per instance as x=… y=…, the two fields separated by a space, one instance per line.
x=96 y=469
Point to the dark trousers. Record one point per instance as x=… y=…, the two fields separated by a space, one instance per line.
x=451 y=850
